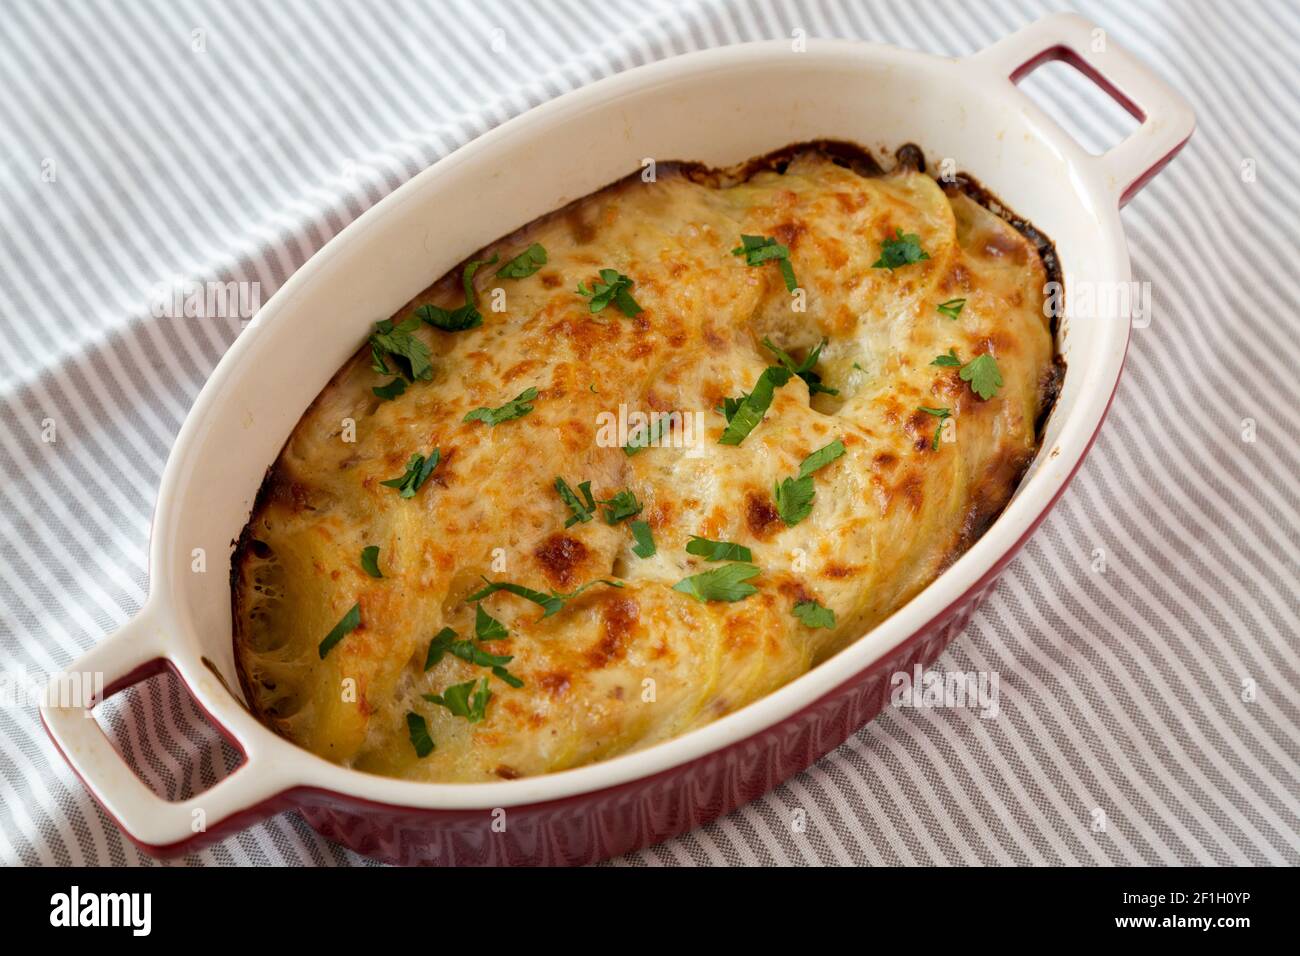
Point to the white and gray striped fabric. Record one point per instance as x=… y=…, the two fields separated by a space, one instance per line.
x=1146 y=641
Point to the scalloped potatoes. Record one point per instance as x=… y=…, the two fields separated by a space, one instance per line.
x=525 y=610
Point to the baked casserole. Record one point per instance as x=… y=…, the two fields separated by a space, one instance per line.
x=642 y=462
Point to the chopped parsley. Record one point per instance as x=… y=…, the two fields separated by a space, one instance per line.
x=803 y=369
x=581 y=511
x=749 y=409
x=646 y=436
x=394 y=340
x=468 y=700
x=517 y=407
x=794 y=496
x=370 y=561
x=463 y=317
x=418 y=730
x=983 y=374
x=645 y=542
x=524 y=264
x=947 y=361
x=508 y=677
x=349 y=623
x=549 y=603
x=812 y=614
x=942 y=414
x=622 y=506
x=821 y=458
x=446 y=642
x=730 y=406
x=486 y=627
x=900 y=250
x=727 y=583
x=952 y=308
x=612 y=287
x=760 y=249
x=390 y=391
x=438 y=647
x=418 y=470
x=717 y=550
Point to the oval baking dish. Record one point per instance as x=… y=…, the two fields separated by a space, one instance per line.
x=700 y=107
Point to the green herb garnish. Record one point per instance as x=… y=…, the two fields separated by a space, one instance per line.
x=983 y=374
x=730 y=406
x=390 y=391
x=717 y=550
x=751 y=408
x=370 y=561
x=794 y=496
x=803 y=369
x=901 y=251
x=418 y=730
x=612 y=287
x=468 y=700
x=438 y=646
x=549 y=603
x=952 y=308
x=947 y=361
x=760 y=249
x=622 y=506
x=645 y=542
x=821 y=458
x=446 y=642
x=941 y=414
x=486 y=627
x=418 y=470
x=517 y=407
x=812 y=614
x=524 y=264
x=727 y=583
x=410 y=355
x=646 y=436
x=581 y=509
x=463 y=317
x=349 y=623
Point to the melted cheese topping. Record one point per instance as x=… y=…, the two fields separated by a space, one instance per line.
x=622 y=668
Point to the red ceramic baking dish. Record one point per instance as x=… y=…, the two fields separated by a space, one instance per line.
x=698 y=107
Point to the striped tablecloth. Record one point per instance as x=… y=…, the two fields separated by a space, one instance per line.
x=1146 y=641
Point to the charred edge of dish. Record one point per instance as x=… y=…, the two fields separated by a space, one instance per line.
x=242 y=549
x=973 y=189
x=841 y=152
x=970 y=187
x=1049 y=390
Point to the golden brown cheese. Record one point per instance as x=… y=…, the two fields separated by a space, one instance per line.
x=621 y=668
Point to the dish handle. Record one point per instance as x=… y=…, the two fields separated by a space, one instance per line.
x=133 y=653
x=1167 y=121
